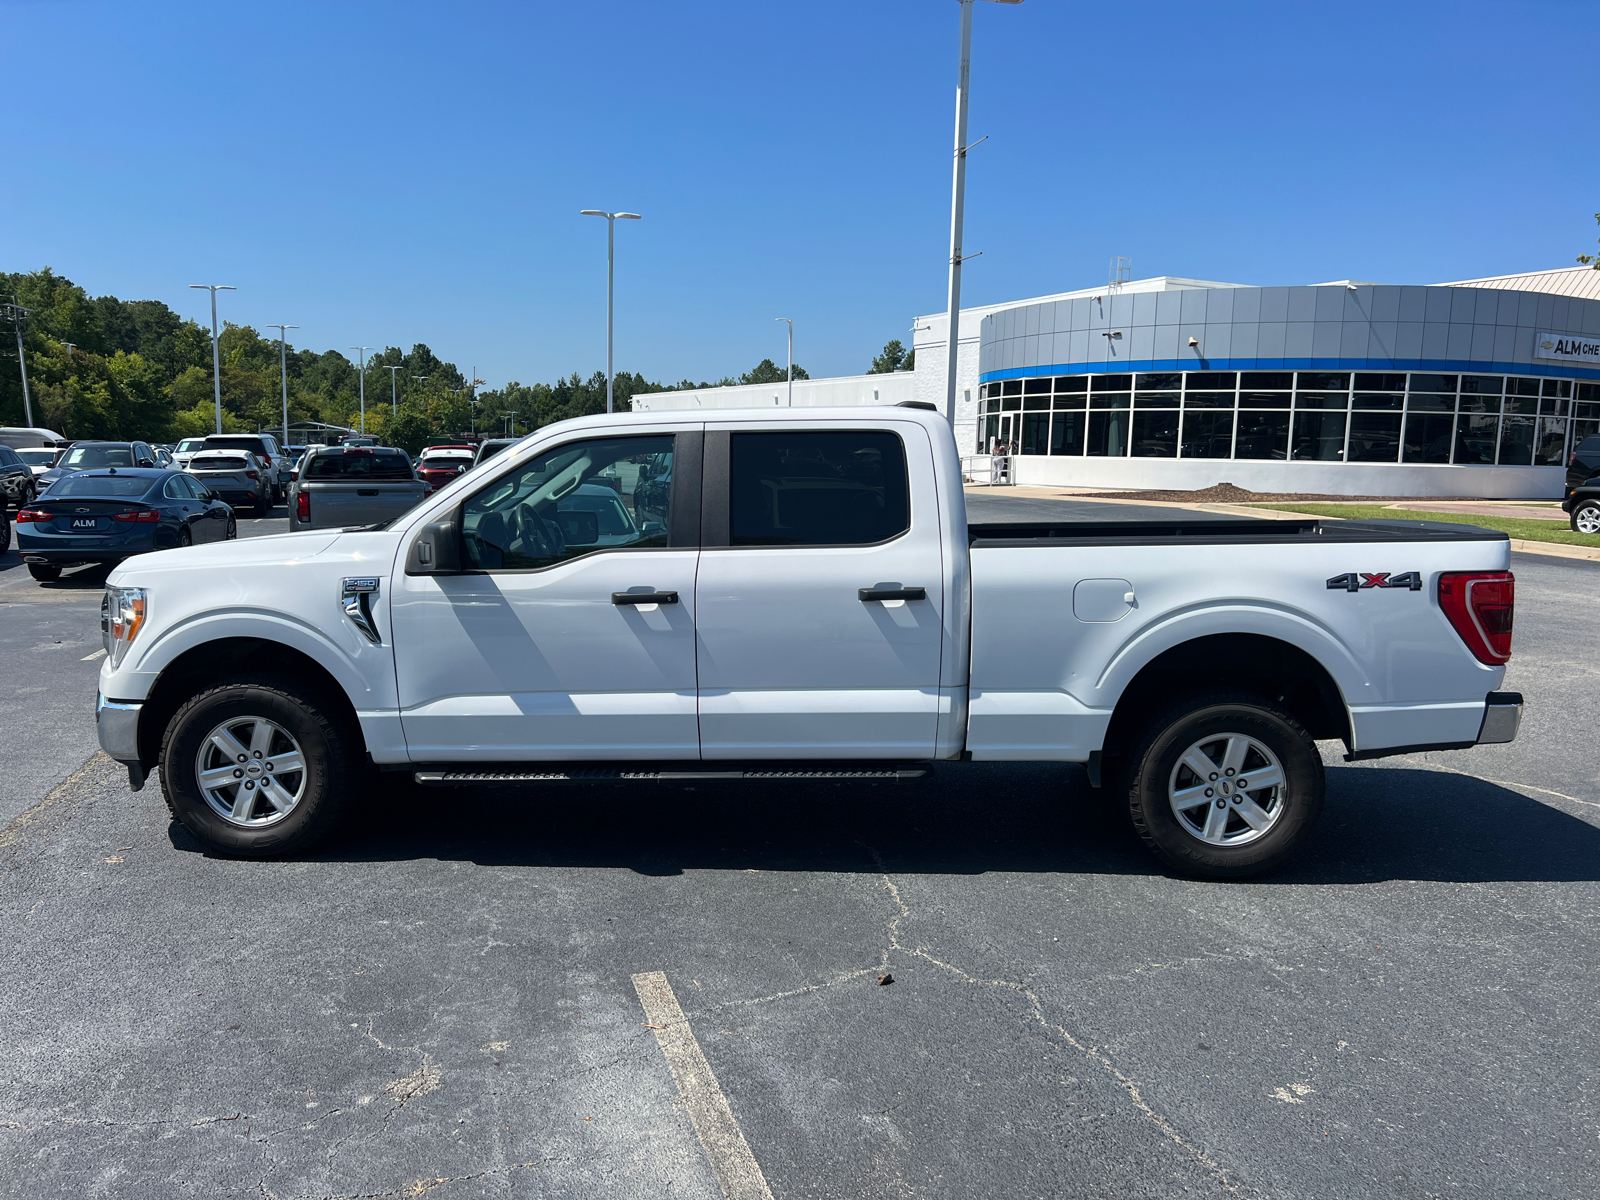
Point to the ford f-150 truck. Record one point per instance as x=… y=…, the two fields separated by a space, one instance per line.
x=811 y=603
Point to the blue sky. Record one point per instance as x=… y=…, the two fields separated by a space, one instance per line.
x=388 y=173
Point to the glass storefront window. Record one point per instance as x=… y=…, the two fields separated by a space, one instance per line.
x=1522 y=387
x=1558 y=387
x=1428 y=437
x=1325 y=381
x=1434 y=383
x=1522 y=403
x=1207 y=434
x=1475 y=440
x=1072 y=383
x=1276 y=381
x=1262 y=435
x=1012 y=387
x=1482 y=385
x=1583 y=429
x=1550 y=449
x=1516 y=442
x=1113 y=383
x=1379 y=400
x=1078 y=401
x=1589 y=391
x=1066 y=433
x=1431 y=402
x=1011 y=403
x=991 y=434
x=1484 y=404
x=1155 y=399
x=1032 y=387
x=1108 y=433
x=1321 y=399
x=1108 y=400
x=1035 y=432
x=1031 y=403
x=1319 y=436
x=1368 y=382
x=1263 y=399
x=1550 y=406
x=1209 y=400
x=1169 y=381
x=1374 y=437
x=1155 y=434
x=1214 y=381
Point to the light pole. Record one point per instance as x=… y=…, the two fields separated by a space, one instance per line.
x=958 y=204
x=511 y=423
x=16 y=313
x=791 y=357
x=283 y=370
x=611 y=254
x=216 y=356
x=363 y=350
x=394 y=402
x=71 y=346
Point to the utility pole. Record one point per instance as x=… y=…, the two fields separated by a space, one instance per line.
x=216 y=355
x=394 y=402
x=283 y=370
x=611 y=249
x=363 y=350
x=958 y=205
x=16 y=313
x=511 y=423
x=791 y=357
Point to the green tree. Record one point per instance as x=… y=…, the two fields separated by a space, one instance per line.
x=895 y=357
x=767 y=371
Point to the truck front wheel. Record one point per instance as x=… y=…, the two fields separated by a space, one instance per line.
x=257 y=768
x=1224 y=785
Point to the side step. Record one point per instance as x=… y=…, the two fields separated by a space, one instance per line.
x=618 y=774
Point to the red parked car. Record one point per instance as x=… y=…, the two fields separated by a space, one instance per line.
x=440 y=464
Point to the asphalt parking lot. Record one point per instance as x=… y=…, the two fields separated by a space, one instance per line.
x=442 y=1001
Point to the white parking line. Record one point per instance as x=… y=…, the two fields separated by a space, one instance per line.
x=100 y=653
x=735 y=1167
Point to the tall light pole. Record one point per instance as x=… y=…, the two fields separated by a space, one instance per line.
x=511 y=423
x=958 y=204
x=394 y=402
x=363 y=350
x=283 y=370
x=71 y=346
x=611 y=254
x=216 y=356
x=791 y=357
x=16 y=313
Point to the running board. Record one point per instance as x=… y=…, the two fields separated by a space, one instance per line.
x=450 y=778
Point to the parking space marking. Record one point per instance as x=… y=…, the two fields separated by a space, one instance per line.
x=736 y=1169
x=100 y=653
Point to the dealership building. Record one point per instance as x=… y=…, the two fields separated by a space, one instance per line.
x=1474 y=388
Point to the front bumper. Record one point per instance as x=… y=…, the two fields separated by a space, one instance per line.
x=117 y=724
x=1502 y=717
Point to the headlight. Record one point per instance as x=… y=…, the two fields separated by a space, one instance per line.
x=122 y=615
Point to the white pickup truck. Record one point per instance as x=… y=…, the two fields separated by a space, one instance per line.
x=795 y=594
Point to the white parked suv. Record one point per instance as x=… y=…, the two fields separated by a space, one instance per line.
x=812 y=603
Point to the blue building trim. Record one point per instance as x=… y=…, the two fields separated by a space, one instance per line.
x=1443 y=365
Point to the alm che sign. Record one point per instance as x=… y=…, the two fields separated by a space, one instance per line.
x=1565 y=347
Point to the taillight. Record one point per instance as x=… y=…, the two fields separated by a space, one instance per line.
x=148 y=516
x=252 y=474
x=1480 y=606
x=302 y=507
x=31 y=514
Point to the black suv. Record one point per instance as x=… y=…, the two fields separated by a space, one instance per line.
x=16 y=482
x=1583 y=486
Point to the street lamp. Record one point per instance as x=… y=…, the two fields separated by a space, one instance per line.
x=958 y=203
x=511 y=423
x=71 y=346
x=216 y=356
x=394 y=402
x=283 y=370
x=16 y=313
x=363 y=350
x=611 y=248
x=791 y=358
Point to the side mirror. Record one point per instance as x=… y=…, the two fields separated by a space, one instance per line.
x=145 y=462
x=651 y=528
x=436 y=550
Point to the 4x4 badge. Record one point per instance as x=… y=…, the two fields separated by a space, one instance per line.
x=1356 y=581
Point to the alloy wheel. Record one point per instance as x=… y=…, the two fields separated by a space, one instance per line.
x=1587 y=519
x=251 y=772
x=1227 y=789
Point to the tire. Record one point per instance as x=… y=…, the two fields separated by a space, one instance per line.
x=265 y=716
x=1586 y=517
x=5 y=533
x=232 y=530
x=185 y=538
x=44 y=573
x=1224 y=832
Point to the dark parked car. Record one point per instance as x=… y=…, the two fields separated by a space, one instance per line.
x=107 y=516
x=489 y=447
x=89 y=456
x=1583 y=486
x=16 y=481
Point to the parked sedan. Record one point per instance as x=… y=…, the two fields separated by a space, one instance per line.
x=89 y=456
x=440 y=465
x=237 y=476
x=39 y=458
x=107 y=516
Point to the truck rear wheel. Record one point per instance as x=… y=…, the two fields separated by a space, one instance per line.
x=254 y=768
x=1224 y=785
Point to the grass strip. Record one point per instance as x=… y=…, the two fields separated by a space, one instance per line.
x=1526 y=528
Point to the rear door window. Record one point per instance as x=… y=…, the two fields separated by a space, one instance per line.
x=845 y=488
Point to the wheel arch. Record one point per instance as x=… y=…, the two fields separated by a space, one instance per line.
x=1252 y=662
x=201 y=666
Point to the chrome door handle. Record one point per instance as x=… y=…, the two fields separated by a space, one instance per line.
x=644 y=597
x=885 y=593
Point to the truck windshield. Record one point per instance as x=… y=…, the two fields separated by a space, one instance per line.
x=379 y=464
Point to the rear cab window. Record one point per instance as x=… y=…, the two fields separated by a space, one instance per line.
x=825 y=488
x=376 y=465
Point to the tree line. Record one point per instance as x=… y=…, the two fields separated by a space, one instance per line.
x=100 y=367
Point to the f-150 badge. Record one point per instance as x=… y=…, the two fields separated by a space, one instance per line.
x=1357 y=581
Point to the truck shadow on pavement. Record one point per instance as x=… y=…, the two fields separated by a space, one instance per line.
x=1378 y=824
